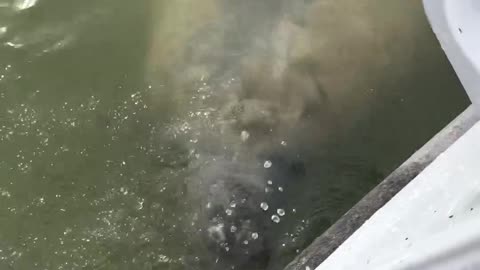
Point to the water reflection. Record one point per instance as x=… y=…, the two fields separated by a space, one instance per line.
x=210 y=134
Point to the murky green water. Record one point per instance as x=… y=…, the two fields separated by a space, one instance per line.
x=153 y=134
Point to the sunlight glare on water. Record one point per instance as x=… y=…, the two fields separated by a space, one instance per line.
x=24 y=4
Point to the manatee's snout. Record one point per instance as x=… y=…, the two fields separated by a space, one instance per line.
x=236 y=241
x=234 y=224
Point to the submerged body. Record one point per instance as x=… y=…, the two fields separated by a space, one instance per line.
x=246 y=79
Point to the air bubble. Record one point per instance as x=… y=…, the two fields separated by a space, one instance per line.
x=264 y=206
x=244 y=135
x=276 y=219
x=267 y=164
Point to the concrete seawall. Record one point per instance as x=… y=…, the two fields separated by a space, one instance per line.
x=330 y=240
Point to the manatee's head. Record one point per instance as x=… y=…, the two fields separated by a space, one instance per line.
x=233 y=225
x=236 y=200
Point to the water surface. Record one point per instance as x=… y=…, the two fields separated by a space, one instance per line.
x=153 y=134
